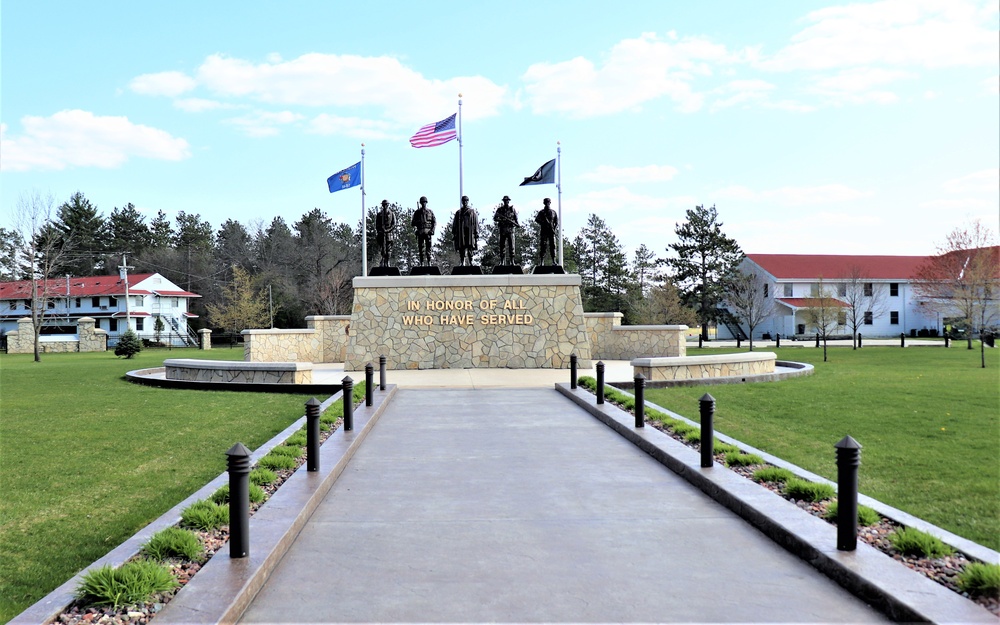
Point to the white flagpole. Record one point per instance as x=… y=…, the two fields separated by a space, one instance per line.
x=461 y=192
x=364 y=225
x=559 y=196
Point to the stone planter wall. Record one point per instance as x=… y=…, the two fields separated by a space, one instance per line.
x=441 y=322
x=610 y=340
x=281 y=345
x=190 y=369
x=699 y=367
x=87 y=339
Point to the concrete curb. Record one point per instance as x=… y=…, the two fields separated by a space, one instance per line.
x=224 y=587
x=899 y=592
x=49 y=607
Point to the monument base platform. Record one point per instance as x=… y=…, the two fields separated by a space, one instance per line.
x=425 y=270
x=548 y=269
x=503 y=270
x=471 y=321
x=467 y=270
x=383 y=271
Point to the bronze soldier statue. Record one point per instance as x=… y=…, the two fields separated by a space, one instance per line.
x=549 y=222
x=424 y=223
x=505 y=219
x=385 y=232
x=465 y=228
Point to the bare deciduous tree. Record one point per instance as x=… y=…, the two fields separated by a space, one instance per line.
x=41 y=252
x=748 y=299
x=866 y=299
x=963 y=278
x=825 y=313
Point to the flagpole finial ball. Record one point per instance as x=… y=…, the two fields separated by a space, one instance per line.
x=460 y=95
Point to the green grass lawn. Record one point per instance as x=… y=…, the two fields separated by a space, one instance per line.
x=928 y=419
x=87 y=458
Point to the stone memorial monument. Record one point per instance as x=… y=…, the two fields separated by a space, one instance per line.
x=548 y=221
x=465 y=229
x=505 y=220
x=385 y=236
x=424 y=224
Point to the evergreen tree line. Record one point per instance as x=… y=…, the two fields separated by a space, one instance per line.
x=307 y=267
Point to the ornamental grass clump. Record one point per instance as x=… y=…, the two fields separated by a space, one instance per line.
x=299 y=439
x=913 y=542
x=285 y=450
x=866 y=516
x=262 y=477
x=808 y=491
x=723 y=448
x=979 y=578
x=773 y=474
x=741 y=459
x=173 y=542
x=276 y=462
x=131 y=583
x=221 y=496
x=205 y=515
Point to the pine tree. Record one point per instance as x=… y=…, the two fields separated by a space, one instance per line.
x=128 y=344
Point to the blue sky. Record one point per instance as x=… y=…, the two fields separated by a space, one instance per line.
x=814 y=127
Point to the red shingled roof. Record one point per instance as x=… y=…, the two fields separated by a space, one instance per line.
x=90 y=286
x=813 y=266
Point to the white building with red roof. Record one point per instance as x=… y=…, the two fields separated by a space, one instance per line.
x=114 y=305
x=794 y=280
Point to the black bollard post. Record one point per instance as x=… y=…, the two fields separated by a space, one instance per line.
x=777 y=340
x=737 y=342
x=848 y=461
x=381 y=373
x=348 y=398
x=640 y=400
x=817 y=339
x=600 y=383
x=700 y=341
x=312 y=434
x=902 y=340
x=859 y=340
x=572 y=371
x=369 y=381
x=707 y=408
x=238 y=466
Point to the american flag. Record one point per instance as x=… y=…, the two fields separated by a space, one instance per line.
x=435 y=134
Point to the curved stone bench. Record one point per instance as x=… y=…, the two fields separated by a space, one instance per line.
x=700 y=367
x=238 y=371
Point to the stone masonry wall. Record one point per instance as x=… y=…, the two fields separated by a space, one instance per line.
x=612 y=341
x=282 y=346
x=238 y=372
x=441 y=322
x=697 y=367
x=334 y=333
x=89 y=339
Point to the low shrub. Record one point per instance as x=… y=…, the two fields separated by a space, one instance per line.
x=205 y=515
x=866 y=516
x=682 y=429
x=328 y=418
x=740 y=459
x=808 y=491
x=261 y=476
x=773 y=474
x=693 y=436
x=980 y=579
x=913 y=542
x=173 y=542
x=299 y=439
x=221 y=496
x=131 y=583
x=587 y=382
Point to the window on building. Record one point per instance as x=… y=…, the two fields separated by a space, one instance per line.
x=138 y=299
x=869 y=319
x=112 y=325
x=842 y=318
x=894 y=317
x=814 y=290
x=50 y=304
x=842 y=290
x=787 y=290
x=138 y=324
x=894 y=289
x=766 y=285
x=868 y=289
x=95 y=302
x=77 y=303
x=113 y=302
x=176 y=301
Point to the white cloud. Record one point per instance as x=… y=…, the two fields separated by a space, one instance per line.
x=170 y=84
x=858 y=85
x=626 y=175
x=738 y=92
x=793 y=196
x=957 y=204
x=991 y=84
x=264 y=123
x=199 y=105
x=926 y=33
x=365 y=129
x=982 y=181
x=635 y=71
x=75 y=138
x=351 y=81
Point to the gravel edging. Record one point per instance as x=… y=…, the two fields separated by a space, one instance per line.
x=899 y=592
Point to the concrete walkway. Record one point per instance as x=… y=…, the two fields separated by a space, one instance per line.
x=515 y=505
